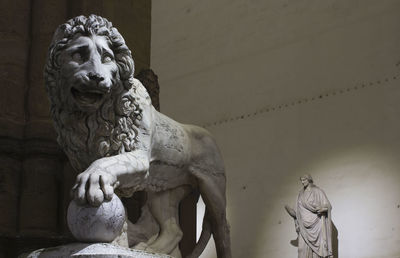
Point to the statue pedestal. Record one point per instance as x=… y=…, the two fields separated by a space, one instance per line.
x=98 y=250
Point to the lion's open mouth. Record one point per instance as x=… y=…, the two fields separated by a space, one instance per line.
x=87 y=97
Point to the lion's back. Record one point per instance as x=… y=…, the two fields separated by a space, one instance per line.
x=205 y=153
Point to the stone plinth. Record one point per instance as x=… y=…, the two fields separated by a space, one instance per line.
x=99 y=250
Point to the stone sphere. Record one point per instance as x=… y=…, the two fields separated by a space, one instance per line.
x=96 y=224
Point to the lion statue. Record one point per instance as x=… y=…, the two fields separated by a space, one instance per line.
x=113 y=135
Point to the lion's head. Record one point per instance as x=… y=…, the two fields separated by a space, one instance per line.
x=89 y=80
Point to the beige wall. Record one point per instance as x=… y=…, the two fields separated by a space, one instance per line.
x=317 y=84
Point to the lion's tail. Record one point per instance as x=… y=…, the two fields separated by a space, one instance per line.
x=204 y=237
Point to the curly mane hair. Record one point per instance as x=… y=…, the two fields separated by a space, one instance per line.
x=110 y=130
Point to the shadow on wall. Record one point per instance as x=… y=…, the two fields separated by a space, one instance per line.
x=335 y=241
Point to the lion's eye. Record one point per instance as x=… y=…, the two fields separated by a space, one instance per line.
x=107 y=59
x=77 y=57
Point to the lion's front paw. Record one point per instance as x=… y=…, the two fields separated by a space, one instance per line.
x=94 y=186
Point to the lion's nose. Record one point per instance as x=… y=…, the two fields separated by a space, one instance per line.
x=95 y=77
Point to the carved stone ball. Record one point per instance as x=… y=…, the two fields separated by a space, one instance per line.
x=96 y=224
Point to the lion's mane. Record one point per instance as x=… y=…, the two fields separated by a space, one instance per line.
x=110 y=130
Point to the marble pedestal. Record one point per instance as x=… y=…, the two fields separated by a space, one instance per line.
x=98 y=250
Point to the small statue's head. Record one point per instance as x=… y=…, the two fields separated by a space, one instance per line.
x=306 y=180
x=87 y=60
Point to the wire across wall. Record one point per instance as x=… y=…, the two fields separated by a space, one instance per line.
x=302 y=101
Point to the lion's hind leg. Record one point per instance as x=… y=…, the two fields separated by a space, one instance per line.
x=212 y=190
x=165 y=209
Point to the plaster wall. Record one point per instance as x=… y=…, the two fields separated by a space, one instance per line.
x=287 y=88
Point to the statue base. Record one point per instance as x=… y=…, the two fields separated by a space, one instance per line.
x=96 y=250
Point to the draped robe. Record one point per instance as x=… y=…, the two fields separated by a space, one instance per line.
x=315 y=231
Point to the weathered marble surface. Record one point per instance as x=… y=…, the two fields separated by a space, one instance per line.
x=91 y=251
x=119 y=142
x=96 y=224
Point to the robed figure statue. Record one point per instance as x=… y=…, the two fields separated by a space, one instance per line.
x=312 y=217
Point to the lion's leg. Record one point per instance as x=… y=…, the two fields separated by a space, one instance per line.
x=212 y=190
x=164 y=207
x=144 y=230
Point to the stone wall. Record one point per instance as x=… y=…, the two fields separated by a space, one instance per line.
x=289 y=87
x=35 y=176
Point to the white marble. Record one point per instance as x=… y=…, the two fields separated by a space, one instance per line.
x=91 y=251
x=96 y=224
x=119 y=142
